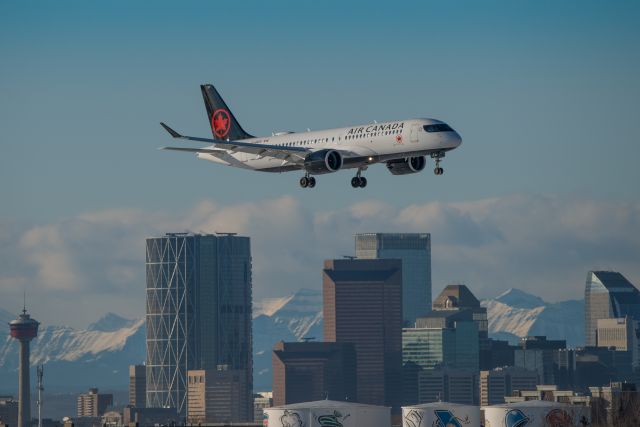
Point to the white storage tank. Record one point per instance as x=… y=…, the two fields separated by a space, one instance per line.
x=536 y=413
x=441 y=414
x=327 y=413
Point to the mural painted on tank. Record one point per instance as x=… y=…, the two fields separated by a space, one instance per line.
x=413 y=418
x=332 y=420
x=444 y=418
x=559 y=418
x=515 y=418
x=291 y=419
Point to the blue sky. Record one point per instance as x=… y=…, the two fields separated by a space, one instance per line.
x=545 y=95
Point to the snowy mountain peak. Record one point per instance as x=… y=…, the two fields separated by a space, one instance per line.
x=520 y=299
x=110 y=322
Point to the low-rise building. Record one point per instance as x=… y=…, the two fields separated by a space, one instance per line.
x=8 y=411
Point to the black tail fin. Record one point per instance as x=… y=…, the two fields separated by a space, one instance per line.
x=223 y=124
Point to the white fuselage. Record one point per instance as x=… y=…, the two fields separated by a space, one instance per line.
x=359 y=145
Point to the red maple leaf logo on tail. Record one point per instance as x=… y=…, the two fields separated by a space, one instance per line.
x=221 y=123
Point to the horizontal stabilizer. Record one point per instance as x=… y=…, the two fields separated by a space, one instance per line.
x=172 y=132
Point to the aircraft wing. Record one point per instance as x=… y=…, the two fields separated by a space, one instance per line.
x=292 y=154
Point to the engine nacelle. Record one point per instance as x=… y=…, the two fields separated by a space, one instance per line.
x=323 y=161
x=406 y=166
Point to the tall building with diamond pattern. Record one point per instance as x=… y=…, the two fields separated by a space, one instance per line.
x=198 y=313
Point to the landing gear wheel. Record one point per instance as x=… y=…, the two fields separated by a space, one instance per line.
x=304 y=182
x=363 y=182
x=438 y=171
x=312 y=182
x=355 y=182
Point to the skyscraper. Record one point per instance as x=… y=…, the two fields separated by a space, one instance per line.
x=362 y=304
x=608 y=295
x=198 y=312
x=414 y=249
x=457 y=297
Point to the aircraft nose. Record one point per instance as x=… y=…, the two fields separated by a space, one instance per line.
x=458 y=139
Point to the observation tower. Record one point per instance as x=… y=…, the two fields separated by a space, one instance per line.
x=24 y=329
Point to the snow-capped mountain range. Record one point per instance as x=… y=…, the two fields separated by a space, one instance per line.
x=516 y=314
x=100 y=355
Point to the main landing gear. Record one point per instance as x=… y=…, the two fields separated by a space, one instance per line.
x=307 y=181
x=358 y=180
x=438 y=158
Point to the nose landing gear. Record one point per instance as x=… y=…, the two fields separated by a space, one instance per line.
x=438 y=158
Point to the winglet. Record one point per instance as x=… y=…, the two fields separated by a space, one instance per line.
x=172 y=132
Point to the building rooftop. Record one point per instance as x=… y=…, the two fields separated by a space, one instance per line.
x=455 y=296
x=327 y=404
x=437 y=405
x=614 y=281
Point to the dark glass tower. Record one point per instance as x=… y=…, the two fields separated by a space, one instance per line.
x=414 y=249
x=198 y=312
x=608 y=295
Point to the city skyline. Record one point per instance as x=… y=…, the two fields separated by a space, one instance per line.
x=530 y=187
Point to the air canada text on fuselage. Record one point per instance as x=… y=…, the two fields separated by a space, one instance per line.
x=376 y=128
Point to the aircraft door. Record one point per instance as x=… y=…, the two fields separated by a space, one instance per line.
x=414 y=133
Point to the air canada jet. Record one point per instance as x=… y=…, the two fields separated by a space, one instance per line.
x=402 y=145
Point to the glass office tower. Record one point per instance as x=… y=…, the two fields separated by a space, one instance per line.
x=198 y=312
x=414 y=249
x=608 y=295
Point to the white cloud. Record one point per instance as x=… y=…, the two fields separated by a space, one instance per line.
x=544 y=245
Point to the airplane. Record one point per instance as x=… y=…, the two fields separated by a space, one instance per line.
x=402 y=145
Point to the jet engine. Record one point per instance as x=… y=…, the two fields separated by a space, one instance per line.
x=323 y=161
x=406 y=166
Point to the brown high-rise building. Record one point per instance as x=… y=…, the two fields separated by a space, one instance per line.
x=138 y=386
x=309 y=371
x=93 y=404
x=363 y=305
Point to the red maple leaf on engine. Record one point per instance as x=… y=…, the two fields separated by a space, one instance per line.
x=221 y=123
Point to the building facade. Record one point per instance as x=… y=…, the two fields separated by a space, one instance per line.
x=309 y=371
x=362 y=304
x=198 y=313
x=93 y=404
x=621 y=334
x=457 y=297
x=608 y=295
x=500 y=382
x=213 y=396
x=8 y=411
x=448 y=385
x=138 y=386
x=414 y=249
x=442 y=340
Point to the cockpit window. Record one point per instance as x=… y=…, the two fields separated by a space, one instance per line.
x=440 y=127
